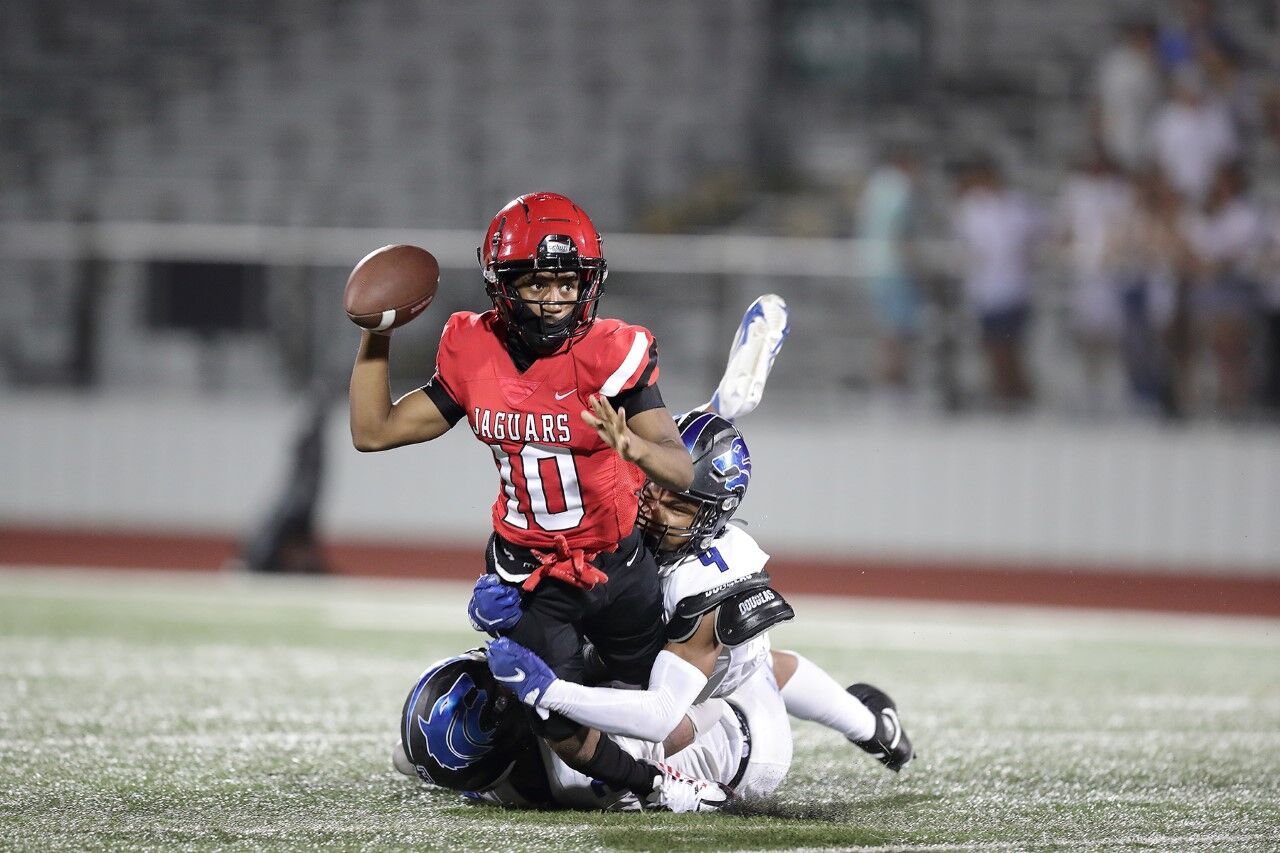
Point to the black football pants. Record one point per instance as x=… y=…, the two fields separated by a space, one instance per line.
x=622 y=617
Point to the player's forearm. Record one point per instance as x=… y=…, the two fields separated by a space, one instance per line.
x=649 y=715
x=371 y=392
x=698 y=719
x=665 y=463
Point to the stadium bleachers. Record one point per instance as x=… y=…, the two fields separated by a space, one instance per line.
x=369 y=113
x=391 y=113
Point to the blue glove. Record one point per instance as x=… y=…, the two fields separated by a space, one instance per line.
x=494 y=605
x=520 y=670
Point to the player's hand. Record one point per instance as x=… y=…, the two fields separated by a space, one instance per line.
x=612 y=427
x=520 y=670
x=494 y=605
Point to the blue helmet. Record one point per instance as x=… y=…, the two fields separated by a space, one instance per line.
x=721 y=473
x=459 y=728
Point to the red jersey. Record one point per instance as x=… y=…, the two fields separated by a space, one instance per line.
x=557 y=475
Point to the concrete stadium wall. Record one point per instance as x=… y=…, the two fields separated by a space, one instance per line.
x=1026 y=493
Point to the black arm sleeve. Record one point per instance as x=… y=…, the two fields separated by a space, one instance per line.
x=444 y=400
x=637 y=400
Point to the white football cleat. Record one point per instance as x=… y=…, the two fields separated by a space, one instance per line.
x=675 y=792
x=760 y=336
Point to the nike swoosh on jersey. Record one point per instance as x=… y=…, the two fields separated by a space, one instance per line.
x=560 y=396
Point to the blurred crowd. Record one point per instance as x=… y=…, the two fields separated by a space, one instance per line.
x=1167 y=257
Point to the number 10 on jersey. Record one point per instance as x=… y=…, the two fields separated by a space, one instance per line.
x=543 y=478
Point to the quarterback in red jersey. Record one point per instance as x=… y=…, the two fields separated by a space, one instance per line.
x=570 y=408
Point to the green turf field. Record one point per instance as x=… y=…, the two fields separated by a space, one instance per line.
x=161 y=712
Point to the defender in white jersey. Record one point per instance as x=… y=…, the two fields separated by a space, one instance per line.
x=718 y=606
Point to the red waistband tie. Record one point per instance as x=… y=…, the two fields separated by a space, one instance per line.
x=573 y=566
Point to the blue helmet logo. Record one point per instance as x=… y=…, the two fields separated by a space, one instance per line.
x=734 y=465
x=453 y=732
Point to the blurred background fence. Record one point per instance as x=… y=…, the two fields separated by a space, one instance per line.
x=1030 y=248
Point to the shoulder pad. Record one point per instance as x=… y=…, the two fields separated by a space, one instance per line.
x=749 y=613
x=684 y=621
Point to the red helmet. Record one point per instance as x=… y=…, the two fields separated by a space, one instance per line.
x=542 y=232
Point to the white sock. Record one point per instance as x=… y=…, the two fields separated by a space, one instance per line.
x=813 y=695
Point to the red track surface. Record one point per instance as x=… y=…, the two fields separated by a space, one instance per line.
x=1128 y=589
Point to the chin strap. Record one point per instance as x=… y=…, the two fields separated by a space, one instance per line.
x=571 y=565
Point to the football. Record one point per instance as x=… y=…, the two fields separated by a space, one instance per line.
x=390 y=286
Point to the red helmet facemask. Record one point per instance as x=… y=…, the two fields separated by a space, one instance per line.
x=535 y=233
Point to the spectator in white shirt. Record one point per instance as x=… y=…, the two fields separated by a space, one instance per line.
x=1226 y=240
x=1192 y=135
x=1095 y=205
x=1154 y=259
x=997 y=228
x=1128 y=92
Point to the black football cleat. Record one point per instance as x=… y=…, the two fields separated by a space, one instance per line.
x=890 y=744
